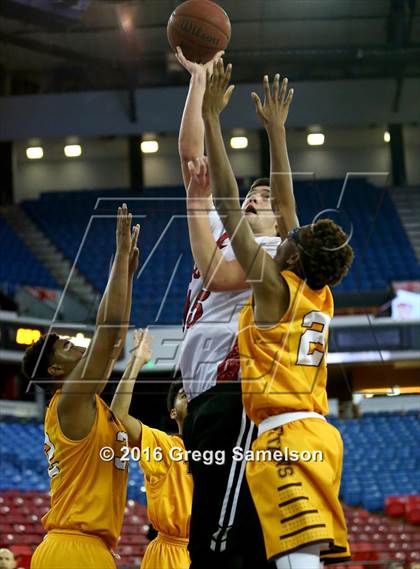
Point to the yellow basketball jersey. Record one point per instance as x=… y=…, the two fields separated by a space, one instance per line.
x=284 y=367
x=169 y=486
x=88 y=494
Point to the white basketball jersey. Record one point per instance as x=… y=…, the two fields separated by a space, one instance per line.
x=209 y=350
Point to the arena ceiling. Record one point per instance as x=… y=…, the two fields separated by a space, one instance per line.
x=112 y=44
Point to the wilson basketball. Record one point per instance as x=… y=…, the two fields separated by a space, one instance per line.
x=201 y=28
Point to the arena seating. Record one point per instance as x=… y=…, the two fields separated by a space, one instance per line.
x=381 y=463
x=373 y=537
x=20 y=526
x=381 y=458
x=18 y=264
x=159 y=292
x=24 y=497
x=376 y=538
x=383 y=252
x=27 y=470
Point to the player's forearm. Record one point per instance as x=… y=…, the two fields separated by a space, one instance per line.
x=225 y=188
x=115 y=297
x=124 y=393
x=226 y=194
x=281 y=181
x=191 y=134
x=100 y=317
x=122 y=333
x=128 y=300
x=207 y=256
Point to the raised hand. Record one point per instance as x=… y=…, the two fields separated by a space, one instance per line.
x=273 y=112
x=123 y=236
x=218 y=91
x=199 y=186
x=133 y=258
x=197 y=68
x=142 y=346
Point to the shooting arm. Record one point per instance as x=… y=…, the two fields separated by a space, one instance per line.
x=191 y=133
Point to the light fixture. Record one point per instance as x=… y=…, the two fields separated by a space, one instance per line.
x=78 y=339
x=72 y=150
x=34 y=152
x=239 y=142
x=387 y=136
x=315 y=139
x=27 y=336
x=149 y=146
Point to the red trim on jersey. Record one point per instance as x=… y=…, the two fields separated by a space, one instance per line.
x=221 y=241
x=186 y=308
x=228 y=369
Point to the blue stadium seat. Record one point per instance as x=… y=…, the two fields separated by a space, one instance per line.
x=381 y=458
x=382 y=250
x=27 y=469
x=18 y=264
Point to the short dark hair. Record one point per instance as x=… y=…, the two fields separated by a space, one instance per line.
x=327 y=256
x=37 y=359
x=260 y=182
x=172 y=393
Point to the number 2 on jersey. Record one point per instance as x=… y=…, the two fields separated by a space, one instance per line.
x=313 y=342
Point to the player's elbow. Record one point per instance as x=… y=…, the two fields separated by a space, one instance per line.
x=186 y=151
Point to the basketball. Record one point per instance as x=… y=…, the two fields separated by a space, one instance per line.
x=201 y=28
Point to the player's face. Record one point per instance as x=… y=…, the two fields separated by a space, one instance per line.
x=7 y=559
x=258 y=211
x=67 y=355
x=181 y=405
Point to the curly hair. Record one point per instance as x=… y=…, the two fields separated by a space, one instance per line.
x=327 y=256
x=37 y=359
x=172 y=393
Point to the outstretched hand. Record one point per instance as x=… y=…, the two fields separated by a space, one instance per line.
x=273 y=112
x=199 y=186
x=193 y=68
x=142 y=346
x=218 y=91
x=123 y=236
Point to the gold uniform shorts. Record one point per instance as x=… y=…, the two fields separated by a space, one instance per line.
x=72 y=551
x=166 y=552
x=297 y=501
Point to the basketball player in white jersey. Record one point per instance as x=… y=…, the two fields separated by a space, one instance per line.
x=225 y=531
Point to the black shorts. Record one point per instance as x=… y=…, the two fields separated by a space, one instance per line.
x=225 y=530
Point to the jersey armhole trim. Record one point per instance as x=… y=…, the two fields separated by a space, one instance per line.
x=94 y=424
